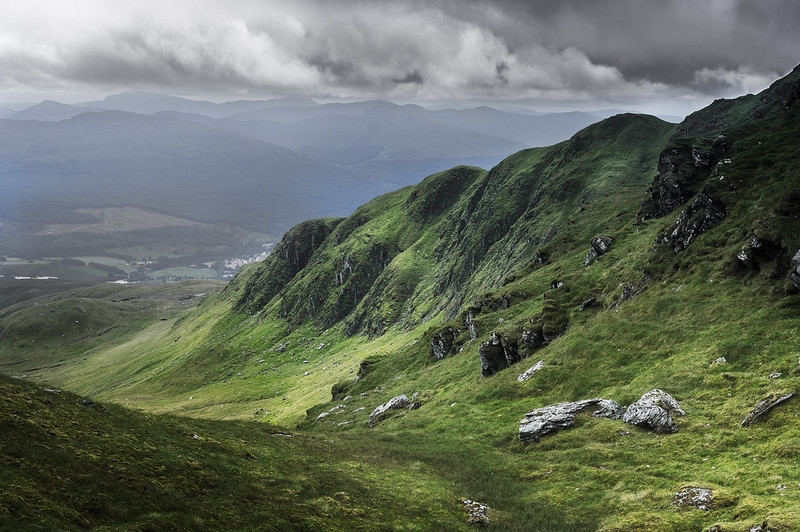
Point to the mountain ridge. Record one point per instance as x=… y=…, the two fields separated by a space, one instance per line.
x=626 y=259
x=127 y=151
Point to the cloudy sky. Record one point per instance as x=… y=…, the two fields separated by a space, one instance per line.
x=659 y=56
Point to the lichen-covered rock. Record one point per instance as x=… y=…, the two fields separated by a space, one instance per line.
x=380 y=412
x=527 y=374
x=532 y=339
x=700 y=498
x=704 y=213
x=765 y=405
x=442 y=342
x=598 y=247
x=477 y=512
x=654 y=411
x=560 y=416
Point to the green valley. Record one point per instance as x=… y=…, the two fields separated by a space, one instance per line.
x=638 y=255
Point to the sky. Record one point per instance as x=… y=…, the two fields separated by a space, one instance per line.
x=656 y=56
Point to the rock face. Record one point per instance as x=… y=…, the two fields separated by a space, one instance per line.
x=532 y=339
x=598 y=247
x=765 y=405
x=289 y=257
x=654 y=411
x=511 y=351
x=553 y=418
x=703 y=214
x=493 y=355
x=682 y=168
x=442 y=342
x=665 y=193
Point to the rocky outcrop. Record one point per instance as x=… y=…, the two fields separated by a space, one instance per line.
x=597 y=248
x=442 y=342
x=765 y=405
x=654 y=411
x=477 y=511
x=400 y=402
x=665 y=193
x=532 y=338
x=469 y=321
x=498 y=354
x=528 y=373
x=704 y=213
x=629 y=291
x=493 y=355
x=764 y=247
x=700 y=498
x=511 y=351
x=682 y=169
x=485 y=304
x=560 y=416
x=794 y=276
x=707 y=152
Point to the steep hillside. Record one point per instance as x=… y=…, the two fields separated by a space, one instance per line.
x=70 y=463
x=460 y=233
x=198 y=183
x=436 y=325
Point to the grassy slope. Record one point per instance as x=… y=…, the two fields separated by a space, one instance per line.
x=73 y=466
x=693 y=307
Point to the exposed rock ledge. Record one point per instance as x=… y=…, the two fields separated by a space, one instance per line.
x=395 y=403
x=765 y=405
x=528 y=373
x=553 y=418
x=597 y=248
x=653 y=410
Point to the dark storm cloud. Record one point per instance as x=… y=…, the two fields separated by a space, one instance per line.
x=625 y=51
x=665 y=41
x=412 y=77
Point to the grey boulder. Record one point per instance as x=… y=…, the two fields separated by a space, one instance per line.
x=553 y=418
x=654 y=411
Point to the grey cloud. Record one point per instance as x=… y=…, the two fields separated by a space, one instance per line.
x=535 y=50
x=663 y=42
x=413 y=77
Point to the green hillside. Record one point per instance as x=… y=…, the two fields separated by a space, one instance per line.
x=638 y=255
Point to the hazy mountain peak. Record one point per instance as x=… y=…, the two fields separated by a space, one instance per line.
x=49 y=110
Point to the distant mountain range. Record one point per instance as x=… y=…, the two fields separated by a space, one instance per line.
x=255 y=165
x=599 y=335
